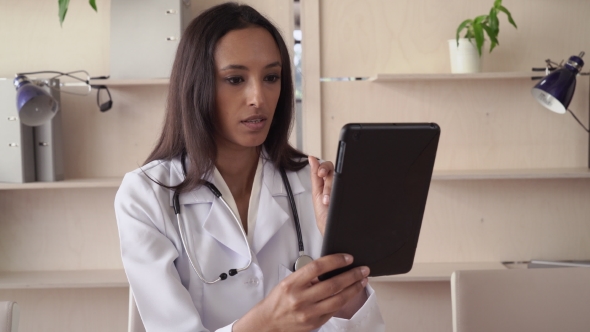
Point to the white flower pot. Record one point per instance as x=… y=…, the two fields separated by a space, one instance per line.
x=464 y=58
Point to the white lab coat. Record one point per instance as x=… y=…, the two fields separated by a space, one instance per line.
x=169 y=294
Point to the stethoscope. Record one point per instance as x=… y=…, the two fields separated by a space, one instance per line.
x=302 y=260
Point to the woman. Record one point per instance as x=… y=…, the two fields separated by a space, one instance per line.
x=229 y=114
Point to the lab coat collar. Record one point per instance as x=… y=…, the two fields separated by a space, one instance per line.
x=271 y=216
x=271 y=179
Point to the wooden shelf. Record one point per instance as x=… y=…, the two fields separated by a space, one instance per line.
x=512 y=174
x=436 y=271
x=114 y=182
x=63 y=279
x=382 y=78
x=131 y=82
x=442 y=175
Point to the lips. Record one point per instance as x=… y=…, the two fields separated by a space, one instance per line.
x=255 y=122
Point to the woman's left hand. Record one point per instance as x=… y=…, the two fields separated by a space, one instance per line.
x=322 y=176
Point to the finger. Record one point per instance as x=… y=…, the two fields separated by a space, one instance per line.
x=334 y=303
x=315 y=281
x=326 y=171
x=325 y=168
x=317 y=183
x=337 y=284
x=309 y=272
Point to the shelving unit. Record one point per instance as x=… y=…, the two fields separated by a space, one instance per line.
x=421 y=272
x=438 y=175
x=63 y=279
x=512 y=174
x=109 y=182
x=131 y=82
x=511 y=178
x=428 y=272
x=384 y=77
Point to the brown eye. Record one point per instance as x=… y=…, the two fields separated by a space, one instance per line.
x=272 y=78
x=234 y=80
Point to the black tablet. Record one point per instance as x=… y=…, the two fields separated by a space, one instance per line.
x=381 y=181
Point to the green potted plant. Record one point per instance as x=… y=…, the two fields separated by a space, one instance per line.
x=63 y=9
x=466 y=52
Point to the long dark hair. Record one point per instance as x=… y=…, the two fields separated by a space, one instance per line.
x=191 y=111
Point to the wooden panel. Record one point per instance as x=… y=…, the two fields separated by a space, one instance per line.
x=362 y=38
x=69 y=310
x=56 y=229
x=280 y=12
x=492 y=124
x=506 y=220
x=33 y=40
x=115 y=142
x=310 y=64
x=415 y=306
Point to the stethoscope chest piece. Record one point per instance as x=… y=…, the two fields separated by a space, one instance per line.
x=301 y=262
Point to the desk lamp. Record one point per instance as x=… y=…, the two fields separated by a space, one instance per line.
x=36 y=106
x=555 y=91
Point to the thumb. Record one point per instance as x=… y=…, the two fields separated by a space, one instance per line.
x=317 y=183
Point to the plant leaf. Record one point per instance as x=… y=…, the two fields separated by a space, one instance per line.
x=501 y=8
x=493 y=22
x=480 y=19
x=497 y=3
x=461 y=27
x=492 y=47
x=93 y=5
x=63 y=9
x=478 y=34
x=492 y=35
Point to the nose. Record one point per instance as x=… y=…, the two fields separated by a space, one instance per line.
x=255 y=95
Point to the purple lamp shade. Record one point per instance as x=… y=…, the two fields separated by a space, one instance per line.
x=35 y=106
x=555 y=91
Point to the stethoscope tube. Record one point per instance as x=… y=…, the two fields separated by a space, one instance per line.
x=301 y=260
x=182 y=231
x=293 y=208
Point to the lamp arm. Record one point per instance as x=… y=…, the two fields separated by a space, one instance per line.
x=59 y=73
x=580 y=122
x=40 y=72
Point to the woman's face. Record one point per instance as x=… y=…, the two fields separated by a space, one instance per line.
x=248 y=85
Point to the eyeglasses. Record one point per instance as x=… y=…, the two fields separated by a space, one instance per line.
x=102 y=94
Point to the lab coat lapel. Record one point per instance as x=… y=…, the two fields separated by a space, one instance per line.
x=273 y=209
x=219 y=223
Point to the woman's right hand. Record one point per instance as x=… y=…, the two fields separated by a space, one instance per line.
x=301 y=302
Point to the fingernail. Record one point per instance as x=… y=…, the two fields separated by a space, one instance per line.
x=348 y=258
x=322 y=172
x=365 y=271
x=364 y=282
x=326 y=199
